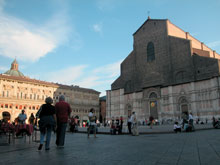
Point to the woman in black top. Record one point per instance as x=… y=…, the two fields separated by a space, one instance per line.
x=47 y=122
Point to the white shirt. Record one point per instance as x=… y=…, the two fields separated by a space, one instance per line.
x=190 y=117
x=133 y=119
x=129 y=119
x=91 y=122
x=176 y=126
x=22 y=117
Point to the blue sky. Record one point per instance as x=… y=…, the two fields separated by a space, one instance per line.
x=83 y=42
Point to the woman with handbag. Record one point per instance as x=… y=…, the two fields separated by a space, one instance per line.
x=92 y=122
x=47 y=122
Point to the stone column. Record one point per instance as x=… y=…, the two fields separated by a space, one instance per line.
x=171 y=101
x=193 y=99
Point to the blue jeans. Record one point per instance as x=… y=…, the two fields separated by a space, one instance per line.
x=48 y=137
x=61 y=131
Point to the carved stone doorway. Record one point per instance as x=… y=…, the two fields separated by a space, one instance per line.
x=184 y=108
x=153 y=105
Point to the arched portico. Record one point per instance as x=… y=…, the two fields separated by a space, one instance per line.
x=6 y=116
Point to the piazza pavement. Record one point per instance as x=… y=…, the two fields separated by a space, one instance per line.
x=159 y=146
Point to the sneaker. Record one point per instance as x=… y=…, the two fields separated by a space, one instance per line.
x=47 y=149
x=40 y=146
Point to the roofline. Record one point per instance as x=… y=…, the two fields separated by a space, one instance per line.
x=77 y=87
x=146 y=22
x=27 y=80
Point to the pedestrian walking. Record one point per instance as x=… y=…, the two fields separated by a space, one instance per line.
x=31 y=119
x=47 y=122
x=129 y=124
x=121 y=124
x=151 y=119
x=63 y=111
x=134 y=128
x=191 y=122
x=92 y=122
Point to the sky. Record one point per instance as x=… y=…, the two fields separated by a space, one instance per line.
x=83 y=42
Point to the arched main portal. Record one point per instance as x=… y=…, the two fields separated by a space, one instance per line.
x=183 y=103
x=153 y=105
x=6 y=116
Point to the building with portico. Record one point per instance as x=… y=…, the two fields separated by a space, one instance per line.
x=18 y=92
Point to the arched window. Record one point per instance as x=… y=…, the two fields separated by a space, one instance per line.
x=150 y=52
x=153 y=95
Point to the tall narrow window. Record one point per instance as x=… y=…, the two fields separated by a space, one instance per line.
x=150 y=52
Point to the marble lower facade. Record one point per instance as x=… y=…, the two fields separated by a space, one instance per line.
x=201 y=98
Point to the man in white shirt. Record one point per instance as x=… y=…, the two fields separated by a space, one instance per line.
x=134 y=129
x=176 y=127
x=191 y=121
x=22 y=117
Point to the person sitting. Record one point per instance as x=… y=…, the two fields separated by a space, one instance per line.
x=22 y=117
x=176 y=127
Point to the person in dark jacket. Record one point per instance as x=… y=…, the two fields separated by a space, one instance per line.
x=63 y=112
x=47 y=122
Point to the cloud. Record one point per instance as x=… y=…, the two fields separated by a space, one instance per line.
x=2 y=4
x=97 y=28
x=66 y=76
x=110 y=70
x=214 y=44
x=2 y=68
x=99 y=78
x=17 y=40
x=105 y=4
x=29 y=42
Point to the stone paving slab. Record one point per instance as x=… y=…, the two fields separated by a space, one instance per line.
x=196 y=148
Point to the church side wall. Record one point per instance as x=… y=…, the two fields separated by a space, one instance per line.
x=175 y=31
x=120 y=104
x=115 y=104
x=202 y=99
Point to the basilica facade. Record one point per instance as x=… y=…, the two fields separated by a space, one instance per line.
x=168 y=73
x=19 y=92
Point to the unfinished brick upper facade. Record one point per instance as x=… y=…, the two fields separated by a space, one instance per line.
x=167 y=73
x=176 y=61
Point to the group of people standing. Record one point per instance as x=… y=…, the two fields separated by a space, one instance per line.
x=53 y=118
